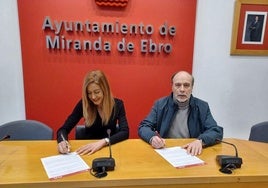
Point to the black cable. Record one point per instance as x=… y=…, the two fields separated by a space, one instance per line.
x=100 y=173
x=228 y=169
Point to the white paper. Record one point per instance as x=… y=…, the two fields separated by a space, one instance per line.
x=65 y=164
x=178 y=157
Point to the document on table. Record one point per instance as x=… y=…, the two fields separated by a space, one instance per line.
x=58 y=166
x=178 y=157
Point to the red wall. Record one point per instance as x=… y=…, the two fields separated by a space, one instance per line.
x=53 y=78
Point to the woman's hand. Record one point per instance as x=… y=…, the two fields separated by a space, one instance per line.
x=91 y=148
x=64 y=147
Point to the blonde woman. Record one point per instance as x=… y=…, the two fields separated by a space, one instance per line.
x=101 y=111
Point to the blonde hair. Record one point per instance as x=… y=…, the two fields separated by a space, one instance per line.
x=89 y=109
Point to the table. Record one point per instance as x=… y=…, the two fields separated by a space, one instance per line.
x=137 y=165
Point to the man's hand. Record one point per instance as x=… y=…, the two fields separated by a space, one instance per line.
x=194 y=148
x=157 y=142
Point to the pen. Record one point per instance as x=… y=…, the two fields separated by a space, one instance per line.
x=157 y=134
x=67 y=145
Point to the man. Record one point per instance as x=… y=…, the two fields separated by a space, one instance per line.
x=255 y=30
x=180 y=115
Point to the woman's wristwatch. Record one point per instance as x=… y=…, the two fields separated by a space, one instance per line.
x=107 y=140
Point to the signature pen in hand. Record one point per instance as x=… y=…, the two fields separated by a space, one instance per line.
x=66 y=142
x=162 y=140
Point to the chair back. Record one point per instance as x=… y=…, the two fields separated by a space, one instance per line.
x=259 y=132
x=80 y=133
x=26 y=130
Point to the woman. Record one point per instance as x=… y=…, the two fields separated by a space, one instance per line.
x=101 y=111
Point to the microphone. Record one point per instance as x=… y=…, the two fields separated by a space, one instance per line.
x=110 y=148
x=103 y=164
x=6 y=137
x=229 y=160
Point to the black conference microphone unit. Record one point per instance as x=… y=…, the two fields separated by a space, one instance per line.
x=6 y=137
x=227 y=161
x=103 y=164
